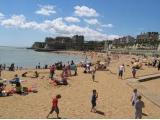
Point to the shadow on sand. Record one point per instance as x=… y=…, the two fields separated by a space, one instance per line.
x=100 y=112
x=144 y=114
x=56 y=118
x=95 y=81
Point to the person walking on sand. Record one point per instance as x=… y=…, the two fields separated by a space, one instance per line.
x=134 y=72
x=138 y=107
x=55 y=106
x=93 y=100
x=93 y=75
x=134 y=97
x=121 y=71
x=52 y=71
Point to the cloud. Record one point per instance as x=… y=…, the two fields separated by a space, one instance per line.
x=56 y=26
x=72 y=19
x=112 y=37
x=92 y=21
x=85 y=11
x=15 y=20
x=1 y=15
x=99 y=29
x=46 y=10
x=96 y=22
x=108 y=26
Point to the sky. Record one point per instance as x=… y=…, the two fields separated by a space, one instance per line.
x=22 y=22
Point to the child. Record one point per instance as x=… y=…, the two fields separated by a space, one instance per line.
x=55 y=106
x=93 y=74
x=138 y=106
x=93 y=101
x=121 y=70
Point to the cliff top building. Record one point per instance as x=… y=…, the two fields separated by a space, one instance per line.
x=61 y=42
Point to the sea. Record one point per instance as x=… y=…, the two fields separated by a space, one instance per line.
x=28 y=58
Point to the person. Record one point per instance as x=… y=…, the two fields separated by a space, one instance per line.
x=15 y=80
x=121 y=70
x=75 y=71
x=134 y=72
x=55 y=106
x=138 y=107
x=36 y=74
x=52 y=71
x=134 y=97
x=24 y=74
x=4 y=67
x=63 y=81
x=2 y=87
x=93 y=100
x=0 y=71
x=12 y=67
x=158 y=65
x=72 y=62
x=18 y=88
x=74 y=68
x=46 y=67
x=39 y=66
x=68 y=70
x=154 y=62
x=93 y=74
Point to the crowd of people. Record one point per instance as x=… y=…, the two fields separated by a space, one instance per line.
x=70 y=69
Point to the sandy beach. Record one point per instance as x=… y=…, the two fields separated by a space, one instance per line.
x=113 y=101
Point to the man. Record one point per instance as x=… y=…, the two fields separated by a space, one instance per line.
x=55 y=106
x=138 y=106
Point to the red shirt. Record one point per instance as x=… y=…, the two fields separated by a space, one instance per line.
x=55 y=102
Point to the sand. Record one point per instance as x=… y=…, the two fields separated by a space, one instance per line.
x=113 y=101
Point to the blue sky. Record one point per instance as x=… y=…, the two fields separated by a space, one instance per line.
x=23 y=22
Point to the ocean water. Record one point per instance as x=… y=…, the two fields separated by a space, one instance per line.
x=28 y=58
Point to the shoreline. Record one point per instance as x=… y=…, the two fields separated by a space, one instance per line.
x=113 y=100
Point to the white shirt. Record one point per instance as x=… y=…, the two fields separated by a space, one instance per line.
x=121 y=68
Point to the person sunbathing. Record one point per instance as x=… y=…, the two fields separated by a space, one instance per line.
x=24 y=74
x=3 y=92
x=2 y=86
x=62 y=82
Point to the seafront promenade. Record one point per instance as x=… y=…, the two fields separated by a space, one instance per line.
x=148 y=85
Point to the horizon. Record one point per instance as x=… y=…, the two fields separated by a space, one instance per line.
x=21 y=26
